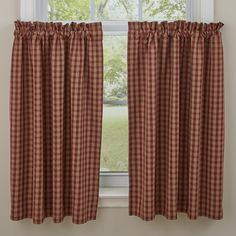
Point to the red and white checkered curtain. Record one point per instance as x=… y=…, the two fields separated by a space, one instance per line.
x=56 y=119
x=176 y=119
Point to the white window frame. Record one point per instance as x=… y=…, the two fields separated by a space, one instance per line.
x=197 y=10
x=36 y=10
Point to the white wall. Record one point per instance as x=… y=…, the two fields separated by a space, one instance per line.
x=116 y=222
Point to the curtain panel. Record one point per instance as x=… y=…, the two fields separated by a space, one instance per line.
x=56 y=119
x=176 y=119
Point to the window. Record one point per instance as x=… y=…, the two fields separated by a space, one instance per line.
x=106 y=10
x=114 y=15
x=114 y=154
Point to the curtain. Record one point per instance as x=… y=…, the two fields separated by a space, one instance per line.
x=56 y=119
x=176 y=119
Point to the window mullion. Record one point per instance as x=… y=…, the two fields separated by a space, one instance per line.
x=189 y=10
x=42 y=10
x=92 y=9
x=140 y=10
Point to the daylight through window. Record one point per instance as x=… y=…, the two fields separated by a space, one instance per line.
x=114 y=156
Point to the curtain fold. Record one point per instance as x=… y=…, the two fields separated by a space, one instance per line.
x=176 y=119
x=56 y=120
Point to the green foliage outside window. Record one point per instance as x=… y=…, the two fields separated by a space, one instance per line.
x=115 y=60
x=115 y=118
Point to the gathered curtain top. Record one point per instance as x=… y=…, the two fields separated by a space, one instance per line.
x=94 y=30
x=176 y=28
x=57 y=28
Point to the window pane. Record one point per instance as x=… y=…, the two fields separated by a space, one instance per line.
x=114 y=155
x=116 y=9
x=164 y=9
x=69 y=10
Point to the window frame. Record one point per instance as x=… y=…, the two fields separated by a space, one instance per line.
x=37 y=10
x=197 y=10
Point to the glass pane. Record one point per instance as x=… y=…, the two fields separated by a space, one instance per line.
x=116 y=9
x=114 y=155
x=69 y=10
x=164 y=10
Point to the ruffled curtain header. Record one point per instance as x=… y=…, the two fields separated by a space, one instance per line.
x=90 y=30
x=177 y=28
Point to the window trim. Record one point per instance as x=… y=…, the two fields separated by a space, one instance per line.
x=113 y=197
x=200 y=10
x=114 y=179
x=36 y=10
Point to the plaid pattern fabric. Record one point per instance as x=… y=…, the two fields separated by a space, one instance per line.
x=176 y=119
x=56 y=119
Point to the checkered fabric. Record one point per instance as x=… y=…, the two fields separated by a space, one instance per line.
x=56 y=120
x=176 y=119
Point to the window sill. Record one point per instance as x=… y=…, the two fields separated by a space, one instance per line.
x=113 y=197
